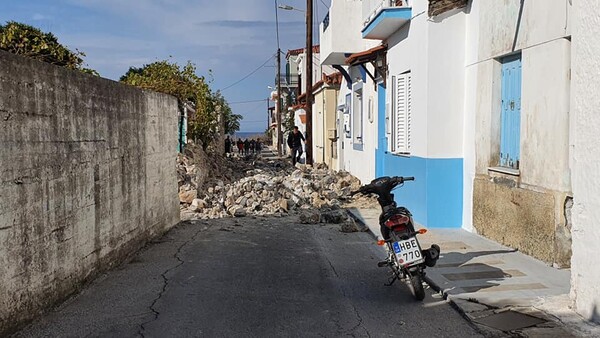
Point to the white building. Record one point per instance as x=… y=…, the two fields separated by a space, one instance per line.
x=585 y=162
x=402 y=112
x=356 y=129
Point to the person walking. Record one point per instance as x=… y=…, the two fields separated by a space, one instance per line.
x=294 y=141
x=227 y=145
x=240 y=146
x=258 y=147
x=246 y=146
x=252 y=145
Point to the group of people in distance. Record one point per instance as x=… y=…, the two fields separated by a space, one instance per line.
x=252 y=146
x=245 y=147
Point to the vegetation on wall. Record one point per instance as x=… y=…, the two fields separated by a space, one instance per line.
x=213 y=115
x=25 y=40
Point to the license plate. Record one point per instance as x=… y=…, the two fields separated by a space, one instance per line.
x=408 y=252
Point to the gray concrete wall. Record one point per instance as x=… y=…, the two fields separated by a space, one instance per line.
x=87 y=176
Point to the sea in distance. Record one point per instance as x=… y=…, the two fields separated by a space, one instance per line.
x=248 y=134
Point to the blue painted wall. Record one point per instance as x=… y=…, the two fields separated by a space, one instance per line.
x=436 y=196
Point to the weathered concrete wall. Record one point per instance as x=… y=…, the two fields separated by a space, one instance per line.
x=87 y=176
x=585 y=120
x=521 y=218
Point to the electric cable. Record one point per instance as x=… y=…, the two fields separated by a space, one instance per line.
x=247 y=76
x=249 y=101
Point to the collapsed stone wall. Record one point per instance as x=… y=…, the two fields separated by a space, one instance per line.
x=87 y=176
x=254 y=186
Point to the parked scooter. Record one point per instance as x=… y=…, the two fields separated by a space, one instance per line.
x=405 y=258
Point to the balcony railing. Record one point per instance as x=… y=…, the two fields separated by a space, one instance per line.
x=289 y=80
x=326 y=22
x=372 y=7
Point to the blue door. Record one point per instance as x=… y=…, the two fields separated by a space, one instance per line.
x=510 y=128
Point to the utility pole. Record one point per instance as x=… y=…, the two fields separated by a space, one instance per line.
x=309 y=80
x=279 y=133
x=278 y=107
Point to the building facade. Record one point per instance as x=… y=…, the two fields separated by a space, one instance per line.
x=475 y=99
x=517 y=139
x=473 y=104
x=355 y=123
x=420 y=107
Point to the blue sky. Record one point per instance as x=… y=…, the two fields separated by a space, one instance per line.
x=230 y=37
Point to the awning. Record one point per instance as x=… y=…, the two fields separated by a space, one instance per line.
x=369 y=55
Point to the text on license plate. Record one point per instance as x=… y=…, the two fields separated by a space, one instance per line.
x=408 y=251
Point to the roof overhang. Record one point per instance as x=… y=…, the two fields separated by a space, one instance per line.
x=386 y=22
x=376 y=56
x=368 y=55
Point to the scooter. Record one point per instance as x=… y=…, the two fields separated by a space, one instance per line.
x=406 y=259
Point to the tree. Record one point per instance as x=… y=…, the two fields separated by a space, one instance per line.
x=22 y=39
x=231 y=121
x=183 y=83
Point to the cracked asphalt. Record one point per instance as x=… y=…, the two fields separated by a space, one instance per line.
x=251 y=277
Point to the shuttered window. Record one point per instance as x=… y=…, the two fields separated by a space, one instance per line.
x=357 y=113
x=401 y=115
x=510 y=126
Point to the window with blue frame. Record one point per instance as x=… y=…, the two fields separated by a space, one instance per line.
x=510 y=119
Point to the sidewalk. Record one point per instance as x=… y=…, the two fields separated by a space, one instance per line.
x=497 y=288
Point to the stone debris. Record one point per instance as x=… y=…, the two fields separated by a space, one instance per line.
x=266 y=187
x=349 y=226
x=270 y=192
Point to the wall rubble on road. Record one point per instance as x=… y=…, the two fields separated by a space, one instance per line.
x=87 y=176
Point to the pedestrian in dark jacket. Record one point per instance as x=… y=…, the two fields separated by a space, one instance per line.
x=246 y=146
x=227 y=145
x=252 y=145
x=258 y=146
x=294 y=141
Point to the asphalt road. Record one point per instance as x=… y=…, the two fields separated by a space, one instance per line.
x=263 y=277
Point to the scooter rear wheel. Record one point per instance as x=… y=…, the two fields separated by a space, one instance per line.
x=416 y=283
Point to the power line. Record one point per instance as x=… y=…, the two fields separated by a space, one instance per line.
x=250 y=74
x=249 y=101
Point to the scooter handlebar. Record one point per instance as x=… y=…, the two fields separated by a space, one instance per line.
x=371 y=188
x=401 y=179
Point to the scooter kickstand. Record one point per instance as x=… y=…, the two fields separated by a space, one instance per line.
x=391 y=280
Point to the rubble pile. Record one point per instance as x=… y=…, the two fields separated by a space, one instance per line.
x=240 y=186
x=267 y=190
x=198 y=170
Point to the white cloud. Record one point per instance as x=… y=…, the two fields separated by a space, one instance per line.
x=39 y=17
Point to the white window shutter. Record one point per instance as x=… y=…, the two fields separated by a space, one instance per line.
x=403 y=105
x=408 y=111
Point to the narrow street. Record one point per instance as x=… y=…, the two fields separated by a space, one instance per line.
x=251 y=277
